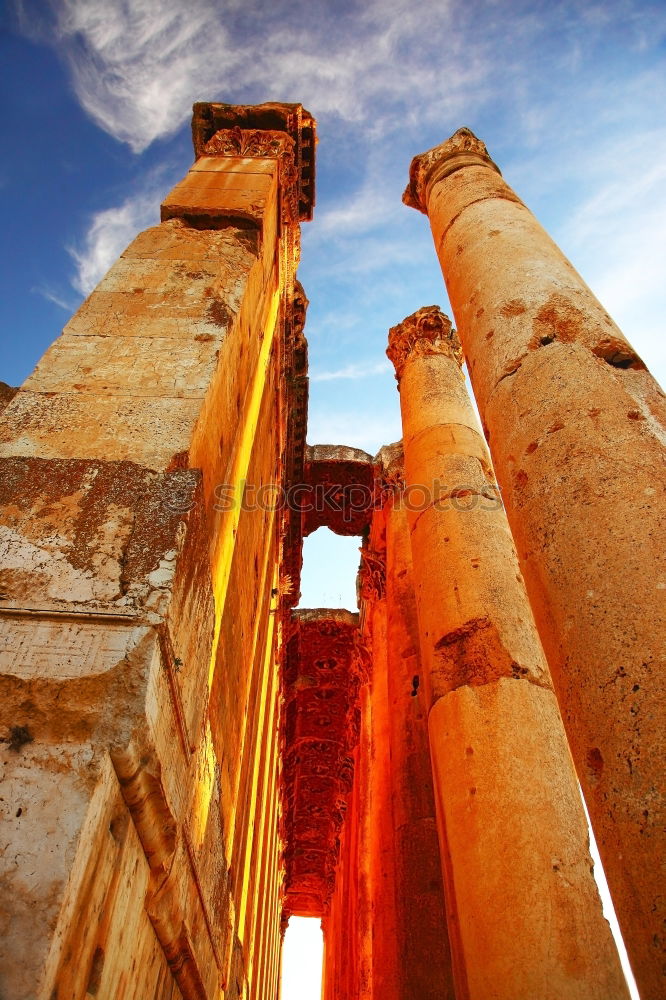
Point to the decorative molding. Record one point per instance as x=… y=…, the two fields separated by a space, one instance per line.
x=294 y=411
x=427 y=331
x=326 y=664
x=389 y=464
x=265 y=144
x=372 y=575
x=139 y=775
x=462 y=149
x=249 y=143
x=292 y=120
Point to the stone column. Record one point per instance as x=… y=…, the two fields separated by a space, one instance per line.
x=513 y=835
x=424 y=957
x=575 y=424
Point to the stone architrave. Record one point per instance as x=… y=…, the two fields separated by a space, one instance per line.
x=576 y=427
x=513 y=837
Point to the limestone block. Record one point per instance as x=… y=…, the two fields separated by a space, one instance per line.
x=149 y=431
x=128 y=366
x=33 y=647
x=220 y=195
x=246 y=165
x=176 y=240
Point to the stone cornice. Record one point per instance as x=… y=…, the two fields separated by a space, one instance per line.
x=427 y=331
x=267 y=144
x=292 y=120
x=462 y=149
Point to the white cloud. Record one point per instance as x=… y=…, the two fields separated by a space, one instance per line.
x=55 y=297
x=138 y=65
x=109 y=233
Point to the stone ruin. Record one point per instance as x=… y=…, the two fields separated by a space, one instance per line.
x=188 y=759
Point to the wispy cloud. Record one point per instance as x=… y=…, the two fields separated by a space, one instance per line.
x=53 y=295
x=541 y=81
x=137 y=65
x=108 y=234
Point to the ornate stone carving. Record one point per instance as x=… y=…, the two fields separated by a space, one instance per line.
x=463 y=149
x=269 y=144
x=290 y=119
x=389 y=464
x=427 y=331
x=372 y=575
x=249 y=142
x=325 y=666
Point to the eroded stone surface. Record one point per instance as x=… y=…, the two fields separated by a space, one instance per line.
x=323 y=674
x=575 y=425
x=140 y=625
x=480 y=649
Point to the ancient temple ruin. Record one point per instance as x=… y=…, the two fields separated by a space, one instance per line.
x=188 y=760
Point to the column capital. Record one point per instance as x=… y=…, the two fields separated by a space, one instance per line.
x=462 y=149
x=427 y=331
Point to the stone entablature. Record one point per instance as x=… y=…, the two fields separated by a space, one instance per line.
x=292 y=119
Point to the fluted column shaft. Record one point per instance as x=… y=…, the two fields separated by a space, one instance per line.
x=513 y=836
x=576 y=427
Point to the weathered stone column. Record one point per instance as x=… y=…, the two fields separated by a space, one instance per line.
x=424 y=956
x=513 y=835
x=576 y=428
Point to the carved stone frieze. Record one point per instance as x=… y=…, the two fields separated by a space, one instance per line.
x=427 y=331
x=372 y=575
x=249 y=142
x=294 y=367
x=389 y=470
x=337 y=489
x=263 y=143
x=292 y=120
x=462 y=149
x=325 y=666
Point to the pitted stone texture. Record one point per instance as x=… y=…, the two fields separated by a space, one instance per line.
x=7 y=393
x=543 y=940
x=460 y=150
x=479 y=647
x=577 y=427
x=90 y=534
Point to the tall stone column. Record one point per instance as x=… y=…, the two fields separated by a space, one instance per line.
x=513 y=835
x=424 y=957
x=575 y=424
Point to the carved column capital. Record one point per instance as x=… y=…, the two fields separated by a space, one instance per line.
x=427 y=331
x=462 y=149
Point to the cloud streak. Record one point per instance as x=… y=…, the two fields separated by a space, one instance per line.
x=108 y=234
x=352 y=371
